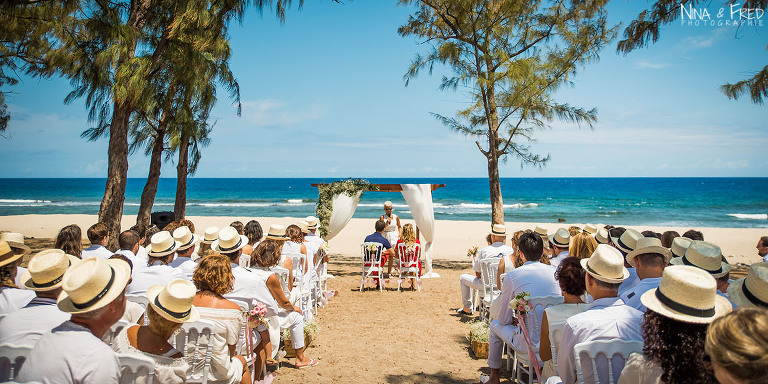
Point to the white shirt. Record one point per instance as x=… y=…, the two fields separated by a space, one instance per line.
x=185 y=265
x=146 y=277
x=247 y=286
x=13 y=299
x=25 y=326
x=631 y=281
x=19 y=272
x=631 y=297
x=97 y=250
x=70 y=353
x=135 y=260
x=497 y=249
x=142 y=254
x=606 y=318
x=555 y=261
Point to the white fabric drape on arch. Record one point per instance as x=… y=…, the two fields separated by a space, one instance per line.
x=343 y=207
x=419 y=199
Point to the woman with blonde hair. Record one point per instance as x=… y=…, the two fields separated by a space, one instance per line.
x=408 y=237
x=510 y=262
x=737 y=345
x=582 y=246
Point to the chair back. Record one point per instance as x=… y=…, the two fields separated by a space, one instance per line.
x=244 y=260
x=615 y=352
x=372 y=253
x=408 y=255
x=12 y=357
x=113 y=331
x=194 y=340
x=488 y=268
x=138 y=299
x=555 y=338
x=135 y=368
x=283 y=276
x=243 y=341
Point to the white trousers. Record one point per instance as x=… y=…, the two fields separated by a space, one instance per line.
x=294 y=322
x=467 y=282
x=499 y=333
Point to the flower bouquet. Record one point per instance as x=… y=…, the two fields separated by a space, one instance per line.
x=472 y=252
x=256 y=315
x=521 y=303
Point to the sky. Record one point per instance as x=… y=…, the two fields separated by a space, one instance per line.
x=323 y=96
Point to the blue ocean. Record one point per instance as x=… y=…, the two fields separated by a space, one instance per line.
x=687 y=202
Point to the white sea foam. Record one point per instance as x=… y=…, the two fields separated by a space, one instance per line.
x=750 y=216
x=295 y=201
x=22 y=201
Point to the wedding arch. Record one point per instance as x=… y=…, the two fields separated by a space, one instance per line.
x=345 y=195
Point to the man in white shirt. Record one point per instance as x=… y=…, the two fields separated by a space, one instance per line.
x=158 y=272
x=560 y=241
x=16 y=241
x=94 y=294
x=187 y=241
x=625 y=241
x=762 y=248
x=98 y=235
x=230 y=244
x=649 y=260
x=534 y=277
x=44 y=276
x=467 y=281
x=141 y=230
x=606 y=318
x=129 y=246
x=709 y=257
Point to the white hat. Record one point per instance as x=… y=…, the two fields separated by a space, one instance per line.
x=92 y=283
x=627 y=241
x=751 y=291
x=7 y=255
x=16 y=241
x=498 y=230
x=174 y=301
x=561 y=238
x=540 y=231
x=211 y=234
x=686 y=294
x=606 y=264
x=162 y=244
x=229 y=241
x=185 y=237
x=590 y=228
x=304 y=226
x=313 y=222
x=602 y=236
x=648 y=245
x=46 y=270
x=704 y=255
x=679 y=245
x=276 y=232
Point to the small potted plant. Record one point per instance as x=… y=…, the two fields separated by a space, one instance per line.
x=311 y=330
x=479 y=332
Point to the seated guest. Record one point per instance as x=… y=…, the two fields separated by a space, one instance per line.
x=534 y=277
x=141 y=231
x=694 y=235
x=544 y=237
x=667 y=237
x=313 y=223
x=169 y=307
x=510 y=262
x=238 y=226
x=294 y=245
x=649 y=233
x=129 y=247
x=133 y=311
x=582 y=246
x=606 y=318
x=70 y=240
x=408 y=238
x=602 y=236
x=560 y=241
x=679 y=246
x=211 y=234
x=378 y=237
x=187 y=241
x=253 y=231
x=94 y=294
x=649 y=260
x=11 y=296
x=737 y=345
x=707 y=256
x=44 y=275
x=15 y=240
x=570 y=278
x=675 y=329
x=467 y=281
x=230 y=244
x=626 y=243
x=157 y=272
x=752 y=290
x=762 y=248
x=98 y=235
x=590 y=229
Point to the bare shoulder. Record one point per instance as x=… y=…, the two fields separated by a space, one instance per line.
x=226 y=304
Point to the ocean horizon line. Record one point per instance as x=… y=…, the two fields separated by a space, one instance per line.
x=403 y=178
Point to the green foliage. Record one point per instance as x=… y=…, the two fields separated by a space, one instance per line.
x=479 y=331
x=326 y=192
x=756 y=87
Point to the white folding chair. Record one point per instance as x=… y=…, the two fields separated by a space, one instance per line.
x=372 y=259
x=301 y=280
x=488 y=268
x=111 y=333
x=555 y=337
x=135 y=368
x=316 y=281
x=522 y=360
x=194 y=341
x=244 y=261
x=283 y=276
x=138 y=299
x=12 y=357
x=609 y=349
x=408 y=263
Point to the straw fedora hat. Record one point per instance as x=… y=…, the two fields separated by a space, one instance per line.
x=229 y=241
x=46 y=270
x=606 y=264
x=211 y=234
x=751 y=291
x=276 y=232
x=686 y=294
x=561 y=238
x=498 y=230
x=174 y=301
x=7 y=255
x=679 y=245
x=162 y=244
x=540 y=231
x=16 y=241
x=304 y=226
x=601 y=236
x=704 y=255
x=92 y=283
x=313 y=222
x=590 y=228
x=627 y=241
x=648 y=245
x=185 y=237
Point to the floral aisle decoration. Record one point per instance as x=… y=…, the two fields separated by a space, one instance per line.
x=311 y=330
x=521 y=304
x=256 y=315
x=479 y=332
x=349 y=187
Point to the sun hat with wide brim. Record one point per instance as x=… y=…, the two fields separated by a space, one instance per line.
x=92 y=283
x=276 y=232
x=162 y=244
x=229 y=241
x=498 y=230
x=679 y=246
x=304 y=226
x=561 y=238
x=606 y=264
x=313 y=222
x=648 y=245
x=185 y=238
x=704 y=255
x=752 y=290
x=602 y=236
x=686 y=294
x=173 y=301
x=7 y=255
x=211 y=234
x=16 y=241
x=46 y=269
x=590 y=228
x=627 y=241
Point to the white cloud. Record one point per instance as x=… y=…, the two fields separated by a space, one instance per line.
x=651 y=64
x=274 y=112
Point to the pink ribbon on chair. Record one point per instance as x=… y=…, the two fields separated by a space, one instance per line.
x=531 y=353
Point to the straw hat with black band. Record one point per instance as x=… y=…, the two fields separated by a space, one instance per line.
x=93 y=283
x=229 y=241
x=648 y=245
x=590 y=228
x=602 y=236
x=7 y=255
x=185 y=237
x=173 y=301
x=211 y=234
x=679 y=245
x=686 y=294
x=46 y=269
x=752 y=290
x=498 y=230
x=162 y=244
x=606 y=264
x=561 y=238
x=704 y=255
x=276 y=232
x=627 y=241
x=16 y=241
x=304 y=226
x=313 y=222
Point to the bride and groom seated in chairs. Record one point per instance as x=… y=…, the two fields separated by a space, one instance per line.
x=378 y=251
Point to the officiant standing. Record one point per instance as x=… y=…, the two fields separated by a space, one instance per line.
x=393 y=228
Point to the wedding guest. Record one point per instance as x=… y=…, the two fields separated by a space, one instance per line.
x=737 y=345
x=386 y=246
x=408 y=238
x=133 y=311
x=70 y=240
x=211 y=235
x=574 y=230
x=560 y=241
x=667 y=237
x=11 y=296
x=582 y=245
x=98 y=235
x=752 y=290
x=254 y=233
x=626 y=243
x=151 y=231
x=649 y=260
x=294 y=245
x=187 y=242
x=15 y=240
x=238 y=226
x=707 y=256
x=141 y=231
x=511 y=261
x=129 y=247
x=649 y=233
x=762 y=248
x=157 y=271
x=694 y=235
x=467 y=281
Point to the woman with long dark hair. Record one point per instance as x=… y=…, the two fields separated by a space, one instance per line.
x=70 y=240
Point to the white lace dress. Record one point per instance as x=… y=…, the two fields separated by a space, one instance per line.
x=167 y=369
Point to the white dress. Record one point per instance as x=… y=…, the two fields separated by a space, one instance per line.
x=390 y=231
x=167 y=369
x=558 y=314
x=13 y=299
x=224 y=369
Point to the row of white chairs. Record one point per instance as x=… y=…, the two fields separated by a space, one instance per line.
x=407 y=265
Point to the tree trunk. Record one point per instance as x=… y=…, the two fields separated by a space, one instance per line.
x=497 y=204
x=182 y=169
x=150 y=188
x=111 y=210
